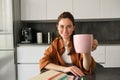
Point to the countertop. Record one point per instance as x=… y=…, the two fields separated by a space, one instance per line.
x=100 y=73
x=25 y=44
x=103 y=74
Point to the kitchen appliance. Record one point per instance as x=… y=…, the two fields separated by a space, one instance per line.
x=26 y=35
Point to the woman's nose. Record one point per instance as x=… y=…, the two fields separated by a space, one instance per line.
x=65 y=30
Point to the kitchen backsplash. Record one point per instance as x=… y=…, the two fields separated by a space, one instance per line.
x=106 y=32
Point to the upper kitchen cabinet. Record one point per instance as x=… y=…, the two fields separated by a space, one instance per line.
x=81 y=9
x=6 y=20
x=56 y=7
x=33 y=9
x=86 y=9
x=110 y=8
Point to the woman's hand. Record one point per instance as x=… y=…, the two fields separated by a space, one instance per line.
x=95 y=44
x=74 y=70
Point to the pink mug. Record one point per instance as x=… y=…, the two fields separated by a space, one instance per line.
x=83 y=43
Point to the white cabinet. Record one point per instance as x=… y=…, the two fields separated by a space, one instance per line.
x=6 y=41
x=107 y=55
x=6 y=19
x=113 y=56
x=110 y=8
x=28 y=57
x=7 y=66
x=56 y=7
x=27 y=71
x=30 y=54
x=81 y=9
x=44 y=9
x=86 y=9
x=99 y=55
x=33 y=9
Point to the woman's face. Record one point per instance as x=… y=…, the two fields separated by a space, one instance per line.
x=65 y=28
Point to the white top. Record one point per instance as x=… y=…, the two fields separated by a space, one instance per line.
x=66 y=57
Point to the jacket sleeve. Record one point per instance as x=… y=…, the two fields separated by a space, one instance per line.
x=49 y=56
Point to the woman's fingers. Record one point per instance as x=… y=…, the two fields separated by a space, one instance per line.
x=76 y=71
x=95 y=44
x=79 y=70
x=73 y=72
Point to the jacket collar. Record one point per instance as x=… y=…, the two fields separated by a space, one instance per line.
x=60 y=43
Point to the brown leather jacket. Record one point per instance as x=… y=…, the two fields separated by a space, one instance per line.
x=54 y=52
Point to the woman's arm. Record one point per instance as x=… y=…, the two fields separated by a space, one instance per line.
x=87 y=59
x=73 y=69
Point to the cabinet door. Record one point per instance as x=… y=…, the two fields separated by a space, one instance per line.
x=6 y=41
x=30 y=54
x=56 y=7
x=86 y=9
x=6 y=19
x=99 y=55
x=110 y=8
x=113 y=56
x=27 y=71
x=33 y=9
x=7 y=66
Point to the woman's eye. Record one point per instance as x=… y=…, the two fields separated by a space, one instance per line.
x=61 y=27
x=69 y=26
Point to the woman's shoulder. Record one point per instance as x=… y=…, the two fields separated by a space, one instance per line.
x=57 y=41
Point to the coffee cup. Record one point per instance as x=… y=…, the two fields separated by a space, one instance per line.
x=83 y=43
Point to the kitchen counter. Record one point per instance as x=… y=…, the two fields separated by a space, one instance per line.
x=102 y=74
x=26 y=44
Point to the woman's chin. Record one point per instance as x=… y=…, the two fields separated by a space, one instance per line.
x=65 y=37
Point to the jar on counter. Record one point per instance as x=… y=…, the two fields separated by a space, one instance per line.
x=39 y=38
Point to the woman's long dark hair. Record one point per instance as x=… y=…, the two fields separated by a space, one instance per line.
x=69 y=16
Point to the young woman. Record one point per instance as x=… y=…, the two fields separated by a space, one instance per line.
x=61 y=55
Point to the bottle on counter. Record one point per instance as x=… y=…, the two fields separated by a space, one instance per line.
x=30 y=34
x=49 y=37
